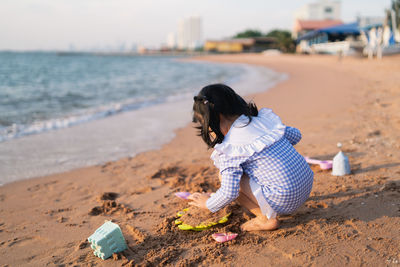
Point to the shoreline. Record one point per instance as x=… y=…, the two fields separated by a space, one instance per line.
x=110 y=138
x=350 y=220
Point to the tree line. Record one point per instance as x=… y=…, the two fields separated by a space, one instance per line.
x=284 y=40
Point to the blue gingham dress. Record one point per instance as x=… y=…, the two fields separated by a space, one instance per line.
x=264 y=151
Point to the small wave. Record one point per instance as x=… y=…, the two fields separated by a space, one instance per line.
x=19 y=130
x=251 y=79
x=125 y=134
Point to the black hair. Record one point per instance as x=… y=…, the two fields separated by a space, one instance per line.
x=215 y=99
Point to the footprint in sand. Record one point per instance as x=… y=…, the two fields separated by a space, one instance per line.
x=46 y=186
x=82 y=245
x=25 y=241
x=143 y=190
x=137 y=235
x=113 y=168
x=52 y=212
x=109 y=205
x=166 y=172
x=316 y=205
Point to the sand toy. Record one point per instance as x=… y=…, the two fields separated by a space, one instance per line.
x=224 y=237
x=323 y=164
x=106 y=240
x=341 y=165
x=204 y=224
x=182 y=195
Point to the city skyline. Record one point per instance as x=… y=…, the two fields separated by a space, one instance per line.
x=124 y=24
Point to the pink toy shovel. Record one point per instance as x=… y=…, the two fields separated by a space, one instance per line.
x=183 y=195
x=223 y=237
x=323 y=164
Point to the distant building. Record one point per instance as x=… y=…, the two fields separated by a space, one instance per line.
x=320 y=14
x=240 y=45
x=189 y=36
x=141 y=49
x=320 y=10
x=171 y=41
x=302 y=27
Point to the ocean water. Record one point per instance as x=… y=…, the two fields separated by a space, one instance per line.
x=60 y=112
x=45 y=91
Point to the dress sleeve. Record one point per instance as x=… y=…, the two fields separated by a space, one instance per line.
x=293 y=135
x=231 y=171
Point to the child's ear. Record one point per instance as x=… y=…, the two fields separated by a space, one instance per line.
x=212 y=134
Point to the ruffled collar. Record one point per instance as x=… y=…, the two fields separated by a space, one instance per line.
x=245 y=140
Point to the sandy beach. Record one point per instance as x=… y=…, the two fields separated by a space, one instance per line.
x=352 y=220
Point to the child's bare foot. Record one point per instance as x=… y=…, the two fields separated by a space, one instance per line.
x=260 y=223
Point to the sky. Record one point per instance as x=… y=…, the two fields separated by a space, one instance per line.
x=94 y=24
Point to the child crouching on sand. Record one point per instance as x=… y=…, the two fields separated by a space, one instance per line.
x=254 y=152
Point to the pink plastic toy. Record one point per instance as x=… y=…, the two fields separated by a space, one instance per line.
x=223 y=237
x=182 y=195
x=323 y=164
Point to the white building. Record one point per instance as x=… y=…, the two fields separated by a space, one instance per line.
x=320 y=10
x=313 y=16
x=189 y=34
x=171 y=41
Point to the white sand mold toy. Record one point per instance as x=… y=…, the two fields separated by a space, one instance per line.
x=106 y=240
x=341 y=165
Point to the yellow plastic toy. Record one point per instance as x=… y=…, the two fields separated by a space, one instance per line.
x=201 y=226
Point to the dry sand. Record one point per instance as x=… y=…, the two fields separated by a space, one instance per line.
x=352 y=220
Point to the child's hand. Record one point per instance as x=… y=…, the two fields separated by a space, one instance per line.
x=199 y=199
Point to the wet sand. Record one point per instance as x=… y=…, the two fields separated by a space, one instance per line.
x=351 y=220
